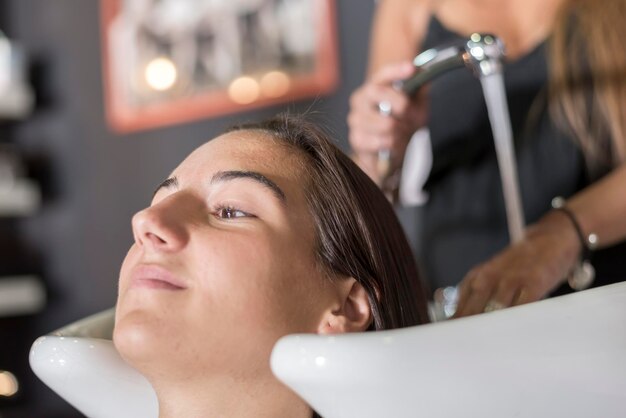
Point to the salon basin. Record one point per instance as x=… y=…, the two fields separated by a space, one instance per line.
x=562 y=357
x=80 y=363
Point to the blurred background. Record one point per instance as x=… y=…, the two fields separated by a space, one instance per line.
x=70 y=179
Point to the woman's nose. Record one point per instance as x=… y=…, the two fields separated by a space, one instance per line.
x=160 y=227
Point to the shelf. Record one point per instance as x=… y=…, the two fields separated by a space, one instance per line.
x=20 y=199
x=21 y=295
x=16 y=95
x=16 y=102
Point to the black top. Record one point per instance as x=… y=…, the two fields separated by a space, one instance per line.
x=465 y=219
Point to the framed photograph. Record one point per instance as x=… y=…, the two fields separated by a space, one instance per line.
x=172 y=61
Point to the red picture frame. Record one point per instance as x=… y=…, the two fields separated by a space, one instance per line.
x=165 y=65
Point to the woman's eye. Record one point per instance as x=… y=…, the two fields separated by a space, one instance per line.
x=230 y=213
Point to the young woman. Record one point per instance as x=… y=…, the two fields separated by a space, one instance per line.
x=264 y=231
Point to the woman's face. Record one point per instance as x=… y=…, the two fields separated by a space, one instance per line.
x=222 y=264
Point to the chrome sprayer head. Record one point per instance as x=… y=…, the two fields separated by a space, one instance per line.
x=484 y=54
x=481 y=53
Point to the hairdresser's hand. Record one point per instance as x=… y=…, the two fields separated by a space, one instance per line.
x=523 y=272
x=371 y=131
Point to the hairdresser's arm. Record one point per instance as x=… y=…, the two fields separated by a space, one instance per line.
x=529 y=270
x=398 y=29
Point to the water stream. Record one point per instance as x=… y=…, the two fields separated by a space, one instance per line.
x=445 y=300
x=495 y=97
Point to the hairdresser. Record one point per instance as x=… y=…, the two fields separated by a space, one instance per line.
x=565 y=76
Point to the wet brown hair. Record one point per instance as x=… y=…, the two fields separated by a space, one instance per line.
x=357 y=232
x=588 y=78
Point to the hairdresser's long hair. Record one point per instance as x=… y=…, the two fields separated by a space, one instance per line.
x=357 y=232
x=588 y=78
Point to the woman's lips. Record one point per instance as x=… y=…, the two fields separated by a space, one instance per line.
x=155 y=277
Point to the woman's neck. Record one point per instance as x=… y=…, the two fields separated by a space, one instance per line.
x=229 y=397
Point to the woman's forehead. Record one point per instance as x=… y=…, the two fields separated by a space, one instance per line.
x=244 y=150
x=247 y=145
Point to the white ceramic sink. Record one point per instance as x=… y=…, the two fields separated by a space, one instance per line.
x=562 y=357
x=80 y=363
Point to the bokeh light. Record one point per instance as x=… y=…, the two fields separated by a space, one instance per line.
x=244 y=90
x=8 y=384
x=275 y=84
x=161 y=74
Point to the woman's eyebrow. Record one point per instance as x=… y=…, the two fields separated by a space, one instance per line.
x=169 y=183
x=253 y=175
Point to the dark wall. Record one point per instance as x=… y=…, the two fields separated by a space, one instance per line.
x=95 y=180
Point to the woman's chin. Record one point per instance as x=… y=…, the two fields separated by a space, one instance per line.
x=139 y=340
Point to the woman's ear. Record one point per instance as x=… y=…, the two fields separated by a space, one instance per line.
x=353 y=312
